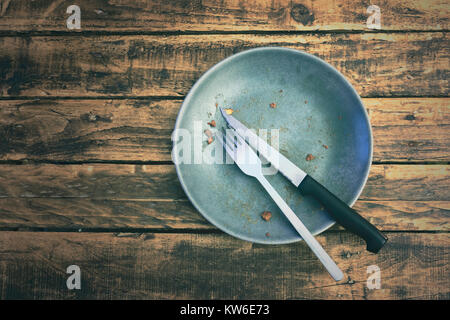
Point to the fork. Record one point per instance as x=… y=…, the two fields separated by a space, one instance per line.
x=248 y=161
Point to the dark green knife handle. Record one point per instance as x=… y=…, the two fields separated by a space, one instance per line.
x=343 y=214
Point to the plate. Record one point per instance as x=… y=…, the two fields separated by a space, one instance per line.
x=317 y=113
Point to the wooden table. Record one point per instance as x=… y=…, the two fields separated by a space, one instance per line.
x=86 y=176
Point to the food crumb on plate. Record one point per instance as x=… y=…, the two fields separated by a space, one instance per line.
x=212 y=123
x=208 y=133
x=325 y=146
x=309 y=157
x=273 y=105
x=229 y=111
x=210 y=140
x=266 y=215
x=267 y=234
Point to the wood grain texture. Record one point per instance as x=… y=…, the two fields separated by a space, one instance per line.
x=377 y=64
x=413 y=129
x=86 y=130
x=190 y=266
x=136 y=48
x=226 y=15
x=404 y=129
x=111 y=196
x=73 y=214
x=159 y=182
x=91 y=214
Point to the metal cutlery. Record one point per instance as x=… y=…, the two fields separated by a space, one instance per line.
x=340 y=211
x=248 y=161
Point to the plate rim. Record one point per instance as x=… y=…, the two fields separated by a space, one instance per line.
x=204 y=76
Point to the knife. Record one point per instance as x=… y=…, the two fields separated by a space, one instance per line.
x=339 y=210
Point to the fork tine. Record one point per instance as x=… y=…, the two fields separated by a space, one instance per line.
x=230 y=142
x=240 y=140
x=231 y=146
x=220 y=137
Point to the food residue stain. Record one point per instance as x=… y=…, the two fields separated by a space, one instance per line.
x=266 y=215
x=208 y=133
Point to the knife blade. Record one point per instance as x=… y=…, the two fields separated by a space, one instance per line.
x=339 y=210
x=280 y=162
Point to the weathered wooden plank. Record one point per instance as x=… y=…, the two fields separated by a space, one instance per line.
x=228 y=15
x=81 y=213
x=87 y=130
x=191 y=266
x=377 y=64
x=160 y=182
x=96 y=181
x=404 y=129
x=411 y=129
x=406 y=215
x=407 y=182
x=142 y=196
x=107 y=214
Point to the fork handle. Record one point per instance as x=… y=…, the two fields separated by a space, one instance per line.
x=315 y=246
x=343 y=214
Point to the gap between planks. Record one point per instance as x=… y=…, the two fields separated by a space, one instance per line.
x=140 y=231
x=204 y=33
x=157 y=163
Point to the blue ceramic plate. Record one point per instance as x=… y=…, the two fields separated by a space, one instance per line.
x=317 y=112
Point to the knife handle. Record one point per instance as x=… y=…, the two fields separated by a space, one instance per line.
x=343 y=214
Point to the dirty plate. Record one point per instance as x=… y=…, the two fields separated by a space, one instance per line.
x=317 y=113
